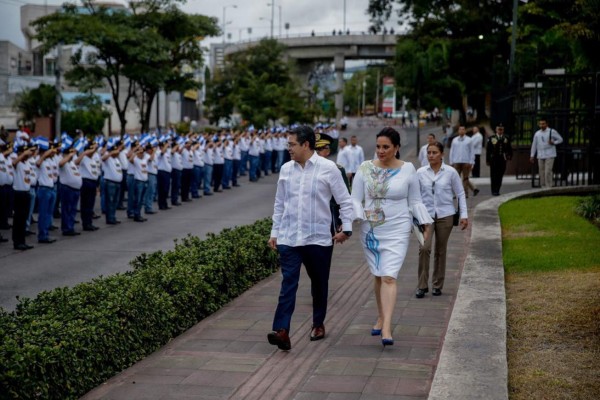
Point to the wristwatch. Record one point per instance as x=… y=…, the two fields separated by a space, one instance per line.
x=348 y=233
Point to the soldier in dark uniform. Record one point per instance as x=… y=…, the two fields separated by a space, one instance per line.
x=498 y=152
x=323 y=148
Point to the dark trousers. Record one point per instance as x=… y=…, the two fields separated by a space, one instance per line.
x=254 y=160
x=139 y=189
x=266 y=162
x=227 y=172
x=197 y=175
x=164 y=182
x=123 y=190
x=244 y=163
x=477 y=166
x=175 y=185
x=217 y=176
x=46 y=198
x=112 y=191
x=497 y=169
x=21 y=209
x=130 y=196
x=5 y=193
x=88 y=200
x=186 y=183
x=68 y=207
x=235 y=172
x=317 y=260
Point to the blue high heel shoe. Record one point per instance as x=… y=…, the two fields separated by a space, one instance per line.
x=375 y=332
x=387 y=342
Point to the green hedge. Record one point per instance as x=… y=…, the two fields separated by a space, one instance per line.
x=69 y=340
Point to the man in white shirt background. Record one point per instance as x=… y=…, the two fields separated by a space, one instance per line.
x=543 y=146
x=423 y=151
x=356 y=156
x=301 y=230
x=462 y=159
x=477 y=141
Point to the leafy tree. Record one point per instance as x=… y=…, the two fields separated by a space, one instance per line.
x=85 y=113
x=259 y=84
x=135 y=51
x=38 y=102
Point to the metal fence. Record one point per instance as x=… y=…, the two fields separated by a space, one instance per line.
x=571 y=106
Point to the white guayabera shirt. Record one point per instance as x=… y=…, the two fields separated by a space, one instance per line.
x=301 y=213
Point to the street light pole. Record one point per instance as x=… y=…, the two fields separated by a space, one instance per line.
x=225 y=20
x=344 y=15
x=272 y=16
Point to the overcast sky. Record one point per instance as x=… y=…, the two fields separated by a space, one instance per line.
x=303 y=16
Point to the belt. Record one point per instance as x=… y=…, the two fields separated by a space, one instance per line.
x=111 y=181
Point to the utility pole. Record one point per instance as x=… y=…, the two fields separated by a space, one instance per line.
x=272 y=16
x=58 y=73
x=344 y=16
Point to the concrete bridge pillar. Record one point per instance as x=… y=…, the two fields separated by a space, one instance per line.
x=338 y=62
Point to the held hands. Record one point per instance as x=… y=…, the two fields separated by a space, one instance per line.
x=340 y=237
x=464 y=223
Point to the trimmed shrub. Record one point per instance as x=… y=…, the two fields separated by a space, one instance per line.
x=67 y=341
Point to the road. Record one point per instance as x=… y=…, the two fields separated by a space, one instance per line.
x=72 y=260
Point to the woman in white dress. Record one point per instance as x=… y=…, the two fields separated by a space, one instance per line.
x=386 y=194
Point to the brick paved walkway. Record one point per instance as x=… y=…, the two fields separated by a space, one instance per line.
x=227 y=356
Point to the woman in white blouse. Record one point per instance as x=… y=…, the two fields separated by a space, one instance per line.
x=439 y=184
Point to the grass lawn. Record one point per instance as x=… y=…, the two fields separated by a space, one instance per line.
x=552 y=262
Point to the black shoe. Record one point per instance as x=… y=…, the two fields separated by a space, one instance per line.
x=236 y=185
x=3 y=240
x=48 y=241
x=6 y=227
x=176 y=204
x=130 y=216
x=95 y=216
x=22 y=246
x=475 y=192
x=436 y=292
x=115 y=222
x=208 y=194
x=53 y=228
x=227 y=187
x=29 y=233
x=121 y=208
x=71 y=233
x=317 y=333
x=420 y=293
x=187 y=200
x=495 y=194
x=90 y=228
x=140 y=219
x=164 y=208
x=196 y=197
x=150 y=212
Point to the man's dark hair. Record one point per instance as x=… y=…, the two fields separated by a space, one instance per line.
x=432 y=135
x=303 y=134
x=344 y=140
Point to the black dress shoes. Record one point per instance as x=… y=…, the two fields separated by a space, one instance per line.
x=22 y=246
x=140 y=219
x=150 y=212
x=281 y=339
x=115 y=222
x=436 y=292
x=53 y=228
x=90 y=228
x=317 y=333
x=420 y=293
x=3 y=240
x=71 y=233
x=47 y=241
x=29 y=233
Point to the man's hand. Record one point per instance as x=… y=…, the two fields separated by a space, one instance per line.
x=340 y=237
x=464 y=223
x=272 y=243
x=427 y=232
x=531 y=160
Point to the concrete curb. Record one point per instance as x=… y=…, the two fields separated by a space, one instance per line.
x=473 y=363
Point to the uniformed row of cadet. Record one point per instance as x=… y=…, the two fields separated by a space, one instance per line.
x=57 y=177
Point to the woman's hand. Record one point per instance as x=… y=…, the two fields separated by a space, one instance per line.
x=427 y=232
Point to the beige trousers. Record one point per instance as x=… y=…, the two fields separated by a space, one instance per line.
x=464 y=170
x=545 y=167
x=441 y=228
